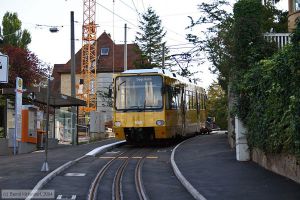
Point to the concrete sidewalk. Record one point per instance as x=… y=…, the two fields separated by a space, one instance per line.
x=24 y=171
x=209 y=164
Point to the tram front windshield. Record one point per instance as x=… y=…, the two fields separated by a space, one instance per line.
x=138 y=92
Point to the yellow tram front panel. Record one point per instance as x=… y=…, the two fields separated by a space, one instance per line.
x=124 y=120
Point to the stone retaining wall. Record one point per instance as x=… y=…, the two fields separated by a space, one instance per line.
x=283 y=164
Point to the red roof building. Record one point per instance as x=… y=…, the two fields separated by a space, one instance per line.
x=107 y=55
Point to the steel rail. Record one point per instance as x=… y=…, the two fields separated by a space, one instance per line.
x=138 y=179
x=92 y=195
x=117 y=183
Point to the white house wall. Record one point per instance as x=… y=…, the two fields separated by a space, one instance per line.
x=104 y=82
x=65 y=83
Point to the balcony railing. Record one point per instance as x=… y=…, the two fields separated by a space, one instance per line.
x=281 y=39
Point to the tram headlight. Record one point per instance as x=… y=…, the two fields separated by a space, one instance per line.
x=160 y=122
x=117 y=124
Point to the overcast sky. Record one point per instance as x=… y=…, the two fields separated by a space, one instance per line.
x=54 y=48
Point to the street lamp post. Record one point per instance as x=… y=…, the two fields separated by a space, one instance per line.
x=45 y=166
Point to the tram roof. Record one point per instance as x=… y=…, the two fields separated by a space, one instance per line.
x=164 y=72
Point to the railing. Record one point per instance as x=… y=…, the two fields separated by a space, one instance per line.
x=83 y=137
x=281 y=39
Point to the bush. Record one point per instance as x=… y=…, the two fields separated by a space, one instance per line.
x=271 y=90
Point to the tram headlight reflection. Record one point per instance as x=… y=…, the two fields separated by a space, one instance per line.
x=160 y=122
x=117 y=124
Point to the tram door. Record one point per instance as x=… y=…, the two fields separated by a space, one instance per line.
x=183 y=111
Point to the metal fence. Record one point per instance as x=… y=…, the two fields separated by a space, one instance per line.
x=281 y=39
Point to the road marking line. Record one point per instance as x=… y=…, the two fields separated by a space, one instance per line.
x=152 y=157
x=75 y=174
x=113 y=152
x=107 y=157
x=61 y=197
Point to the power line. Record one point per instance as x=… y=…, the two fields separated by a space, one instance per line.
x=127 y=5
x=135 y=26
x=135 y=8
x=184 y=47
x=179 y=14
x=143 y=5
x=178 y=44
x=175 y=32
x=116 y=14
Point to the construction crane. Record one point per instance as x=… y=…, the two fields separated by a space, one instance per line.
x=87 y=85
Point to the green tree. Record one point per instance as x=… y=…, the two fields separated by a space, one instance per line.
x=217 y=42
x=226 y=35
x=217 y=104
x=150 y=40
x=12 y=33
x=24 y=64
x=249 y=47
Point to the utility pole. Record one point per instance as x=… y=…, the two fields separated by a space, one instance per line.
x=125 y=47
x=73 y=71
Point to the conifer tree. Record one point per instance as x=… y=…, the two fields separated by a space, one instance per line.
x=150 y=40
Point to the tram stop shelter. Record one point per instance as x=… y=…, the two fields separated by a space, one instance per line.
x=38 y=96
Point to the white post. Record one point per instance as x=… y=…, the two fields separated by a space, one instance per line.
x=242 y=149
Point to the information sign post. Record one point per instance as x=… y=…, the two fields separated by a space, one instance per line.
x=18 y=112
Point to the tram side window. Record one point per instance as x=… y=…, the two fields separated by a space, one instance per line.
x=194 y=101
x=187 y=99
x=204 y=101
x=171 y=98
x=198 y=101
x=201 y=102
x=178 y=96
x=191 y=100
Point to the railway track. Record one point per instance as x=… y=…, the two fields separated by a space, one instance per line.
x=117 y=189
x=138 y=179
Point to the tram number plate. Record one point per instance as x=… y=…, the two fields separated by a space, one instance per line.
x=138 y=122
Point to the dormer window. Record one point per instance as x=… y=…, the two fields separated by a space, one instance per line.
x=104 y=51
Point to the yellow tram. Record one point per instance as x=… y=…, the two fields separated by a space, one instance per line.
x=155 y=104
